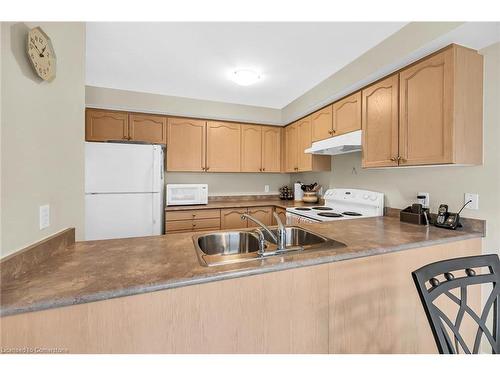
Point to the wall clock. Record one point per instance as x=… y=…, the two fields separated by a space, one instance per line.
x=41 y=54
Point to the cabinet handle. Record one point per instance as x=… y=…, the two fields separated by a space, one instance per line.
x=194 y=215
x=207 y=168
x=394 y=158
x=263 y=169
x=401 y=159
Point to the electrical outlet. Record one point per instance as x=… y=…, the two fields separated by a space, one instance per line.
x=44 y=216
x=474 y=198
x=266 y=188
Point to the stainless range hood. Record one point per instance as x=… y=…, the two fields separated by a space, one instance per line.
x=341 y=144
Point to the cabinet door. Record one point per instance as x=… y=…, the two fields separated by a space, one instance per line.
x=271 y=149
x=291 y=148
x=425 y=133
x=186 y=141
x=148 y=128
x=263 y=214
x=251 y=148
x=281 y=214
x=322 y=122
x=380 y=124
x=223 y=147
x=106 y=125
x=347 y=114
x=230 y=218
x=304 y=140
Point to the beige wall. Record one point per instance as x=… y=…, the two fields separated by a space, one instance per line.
x=100 y=97
x=231 y=183
x=42 y=159
x=445 y=184
x=415 y=40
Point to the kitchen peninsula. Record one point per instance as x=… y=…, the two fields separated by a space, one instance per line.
x=154 y=291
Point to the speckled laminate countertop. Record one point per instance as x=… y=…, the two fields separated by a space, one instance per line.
x=242 y=203
x=97 y=270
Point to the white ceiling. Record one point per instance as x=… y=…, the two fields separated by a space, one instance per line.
x=194 y=59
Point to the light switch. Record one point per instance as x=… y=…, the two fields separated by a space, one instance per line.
x=44 y=216
x=474 y=198
x=266 y=188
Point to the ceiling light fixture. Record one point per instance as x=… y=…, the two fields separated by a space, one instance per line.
x=245 y=77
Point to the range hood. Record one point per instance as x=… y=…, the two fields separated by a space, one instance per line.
x=341 y=144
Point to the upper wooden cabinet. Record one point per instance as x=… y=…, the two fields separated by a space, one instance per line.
x=338 y=118
x=440 y=115
x=304 y=140
x=291 y=148
x=271 y=149
x=148 y=128
x=380 y=123
x=347 y=114
x=298 y=137
x=186 y=142
x=223 y=147
x=322 y=124
x=103 y=125
x=251 y=148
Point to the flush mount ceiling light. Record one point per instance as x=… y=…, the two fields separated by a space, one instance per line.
x=245 y=77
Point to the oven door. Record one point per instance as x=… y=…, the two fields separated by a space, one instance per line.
x=186 y=194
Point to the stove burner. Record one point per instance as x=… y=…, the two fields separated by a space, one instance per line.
x=322 y=208
x=302 y=208
x=329 y=214
x=351 y=213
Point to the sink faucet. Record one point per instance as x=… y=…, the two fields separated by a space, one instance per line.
x=279 y=238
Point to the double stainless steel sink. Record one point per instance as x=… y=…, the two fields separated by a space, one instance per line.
x=240 y=246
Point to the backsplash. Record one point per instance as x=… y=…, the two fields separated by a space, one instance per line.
x=231 y=183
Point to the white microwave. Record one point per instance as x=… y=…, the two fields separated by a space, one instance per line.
x=186 y=194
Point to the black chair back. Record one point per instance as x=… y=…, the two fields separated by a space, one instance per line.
x=445 y=278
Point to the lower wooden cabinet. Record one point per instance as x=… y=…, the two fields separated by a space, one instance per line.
x=230 y=218
x=192 y=220
x=263 y=214
x=281 y=212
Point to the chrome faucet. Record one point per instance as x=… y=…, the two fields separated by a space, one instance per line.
x=279 y=238
x=262 y=242
x=281 y=233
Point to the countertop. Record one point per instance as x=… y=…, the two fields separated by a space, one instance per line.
x=97 y=270
x=214 y=204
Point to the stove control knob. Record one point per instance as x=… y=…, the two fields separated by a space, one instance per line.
x=366 y=196
x=373 y=197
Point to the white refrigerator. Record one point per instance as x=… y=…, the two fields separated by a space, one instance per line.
x=123 y=190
